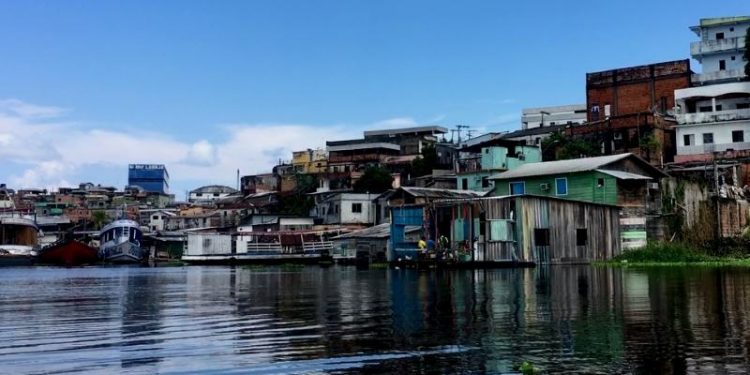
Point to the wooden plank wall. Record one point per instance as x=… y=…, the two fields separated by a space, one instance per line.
x=562 y=217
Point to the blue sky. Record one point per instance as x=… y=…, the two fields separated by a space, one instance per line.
x=208 y=87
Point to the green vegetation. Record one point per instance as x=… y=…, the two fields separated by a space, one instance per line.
x=299 y=203
x=558 y=146
x=99 y=218
x=375 y=180
x=424 y=164
x=677 y=254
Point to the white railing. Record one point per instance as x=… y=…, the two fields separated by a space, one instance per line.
x=711 y=46
x=721 y=75
x=264 y=247
x=710 y=148
x=317 y=246
x=709 y=117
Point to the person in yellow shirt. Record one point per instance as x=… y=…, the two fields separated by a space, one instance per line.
x=422 y=244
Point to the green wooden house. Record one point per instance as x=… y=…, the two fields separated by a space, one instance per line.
x=624 y=180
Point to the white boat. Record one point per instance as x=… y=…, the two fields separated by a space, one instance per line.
x=19 y=239
x=121 y=242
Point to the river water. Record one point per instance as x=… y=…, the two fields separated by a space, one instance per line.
x=268 y=320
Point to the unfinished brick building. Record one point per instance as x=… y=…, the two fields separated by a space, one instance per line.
x=631 y=109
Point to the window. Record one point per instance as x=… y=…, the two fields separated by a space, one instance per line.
x=465 y=183
x=708 y=138
x=485 y=182
x=335 y=208
x=582 y=237
x=561 y=186
x=199 y=195
x=541 y=236
x=538 y=140
x=357 y=208
x=688 y=139
x=738 y=136
x=595 y=112
x=599 y=182
x=663 y=104
x=731 y=29
x=705 y=108
x=216 y=194
x=517 y=188
x=155 y=217
x=719 y=36
x=722 y=64
x=733 y=57
x=718 y=107
x=743 y=105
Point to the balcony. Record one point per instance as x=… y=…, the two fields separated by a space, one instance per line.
x=710 y=117
x=711 y=148
x=713 y=46
x=718 y=76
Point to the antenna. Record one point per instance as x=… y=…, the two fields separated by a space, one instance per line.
x=458 y=130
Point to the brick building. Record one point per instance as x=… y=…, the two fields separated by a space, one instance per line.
x=631 y=109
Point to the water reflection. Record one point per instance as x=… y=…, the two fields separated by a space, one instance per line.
x=298 y=320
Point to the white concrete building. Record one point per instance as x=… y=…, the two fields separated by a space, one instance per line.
x=714 y=115
x=720 y=49
x=550 y=116
x=346 y=209
x=207 y=195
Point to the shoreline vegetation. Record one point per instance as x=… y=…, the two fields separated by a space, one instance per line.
x=662 y=254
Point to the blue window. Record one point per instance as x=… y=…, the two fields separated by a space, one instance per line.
x=517 y=188
x=561 y=186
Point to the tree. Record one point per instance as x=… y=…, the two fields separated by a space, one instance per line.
x=98 y=218
x=747 y=54
x=558 y=146
x=424 y=164
x=299 y=203
x=375 y=180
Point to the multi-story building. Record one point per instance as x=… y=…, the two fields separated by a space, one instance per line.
x=714 y=115
x=483 y=156
x=208 y=195
x=720 y=49
x=150 y=177
x=410 y=140
x=347 y=160
x=550 y=116
x=630 y=110
x=310 y=161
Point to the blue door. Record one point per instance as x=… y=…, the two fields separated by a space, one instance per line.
x=517 y=188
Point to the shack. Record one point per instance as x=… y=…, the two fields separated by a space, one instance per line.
x=520 y=230
x=370 y=243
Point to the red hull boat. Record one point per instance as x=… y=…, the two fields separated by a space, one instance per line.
x=69 y=253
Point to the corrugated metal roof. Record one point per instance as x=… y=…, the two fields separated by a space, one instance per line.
x=624 y=175
x=416 y=129
x=214 y=189
x=377 y=231
x=442 y=193
x=559 y=167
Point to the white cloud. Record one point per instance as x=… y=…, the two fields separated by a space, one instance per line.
x=22 y=109
x=48 y=153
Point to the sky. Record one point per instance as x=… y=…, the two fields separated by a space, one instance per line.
x=209 y=87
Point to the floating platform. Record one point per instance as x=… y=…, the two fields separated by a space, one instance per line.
x=246 y=258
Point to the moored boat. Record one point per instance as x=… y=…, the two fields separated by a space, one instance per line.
x=68 y=252
x=121 y=242
x=19 y=239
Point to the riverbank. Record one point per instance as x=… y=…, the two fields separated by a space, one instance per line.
x=663 y=254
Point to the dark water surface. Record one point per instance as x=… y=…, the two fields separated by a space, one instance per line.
x=342 y=320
